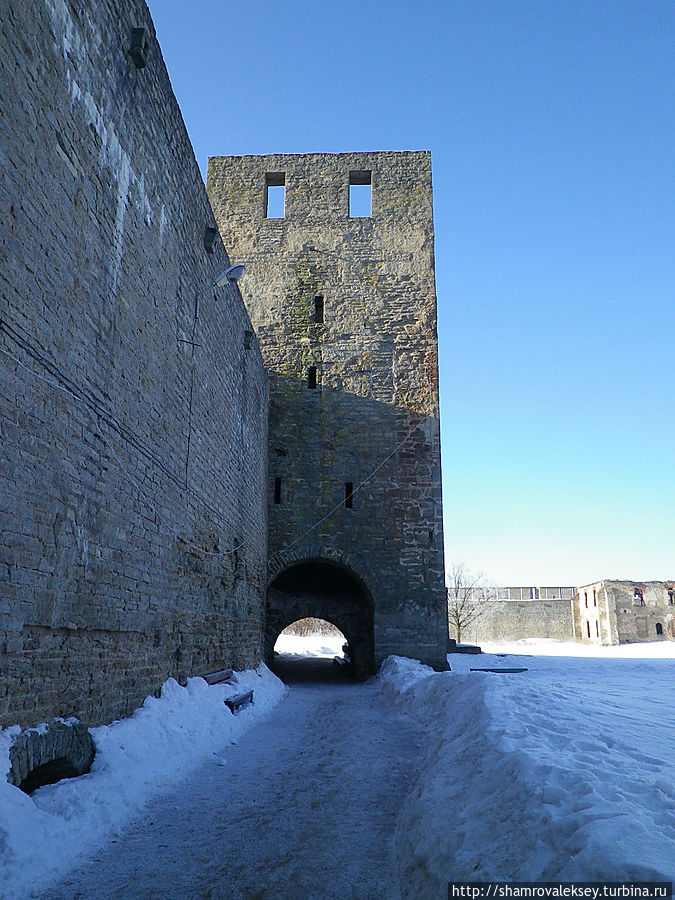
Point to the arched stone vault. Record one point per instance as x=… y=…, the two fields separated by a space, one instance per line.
x=323 y=589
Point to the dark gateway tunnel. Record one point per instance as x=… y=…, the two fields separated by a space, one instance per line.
x=321 y=589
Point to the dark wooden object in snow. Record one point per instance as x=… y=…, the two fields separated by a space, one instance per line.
x=234 y=704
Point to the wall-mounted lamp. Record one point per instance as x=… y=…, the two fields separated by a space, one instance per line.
x=230 y=276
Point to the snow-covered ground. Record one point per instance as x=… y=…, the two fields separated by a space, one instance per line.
x=540 y=647
x=324 y=646
x=562 y=772
x=42 y=835
x=305 y=809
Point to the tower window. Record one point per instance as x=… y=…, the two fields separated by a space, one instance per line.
x=638 y=596
x=318 y=310
x=349 y=494
x=588 y=629
x=277 y=490
x=597 y=628
x=311 y=378
x=275 y=195
x=359 y=195
x=586 y=599
x=595 y=598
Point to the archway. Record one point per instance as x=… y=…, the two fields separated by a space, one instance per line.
x=311 y=637
x=312 y=651
x=659 y=629
x=321 y=589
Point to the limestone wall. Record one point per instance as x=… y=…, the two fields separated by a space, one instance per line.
x=133 y=425
x=628 y=611
x=371 y=411
x=512 y=620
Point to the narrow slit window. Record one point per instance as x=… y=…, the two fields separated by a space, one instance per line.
x=275 y=195
x=360 y=195
x=318 y=310
x=349 y=494
x=586 y=599
x=588 y=629
x=597 y=629
x=595 y=598
x=311 y=378
x=277 y=490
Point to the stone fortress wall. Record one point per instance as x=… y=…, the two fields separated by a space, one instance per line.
x=604 y=612
x=344 y=307
x=133 y=470
x=135 y=484
x=512 y=620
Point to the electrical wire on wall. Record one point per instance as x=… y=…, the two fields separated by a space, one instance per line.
x=80 y=395
x=353 y=492
x=101 y=414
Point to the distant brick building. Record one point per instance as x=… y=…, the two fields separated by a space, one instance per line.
x=340 y=288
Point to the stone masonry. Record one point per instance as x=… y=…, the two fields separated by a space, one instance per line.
x=620 y=612
x=604 y=612
x=513 y=620
x=344 y=307
x=133 y=421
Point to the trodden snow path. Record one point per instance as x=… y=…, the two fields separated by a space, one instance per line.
x=304 y=806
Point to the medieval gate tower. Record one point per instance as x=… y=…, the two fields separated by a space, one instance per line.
x=339 y=254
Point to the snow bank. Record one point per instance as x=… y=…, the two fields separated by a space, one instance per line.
x=42 y=835
x=563 y=772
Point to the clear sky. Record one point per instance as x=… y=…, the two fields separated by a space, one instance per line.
x=551 y=125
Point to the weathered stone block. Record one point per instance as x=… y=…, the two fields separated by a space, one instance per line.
x=45 y=755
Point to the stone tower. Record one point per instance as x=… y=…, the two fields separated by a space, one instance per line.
x=339 y=285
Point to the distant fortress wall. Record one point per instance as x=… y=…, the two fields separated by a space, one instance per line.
x=603 y=612
x=512 y=620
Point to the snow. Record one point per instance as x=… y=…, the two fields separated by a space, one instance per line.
x=564 y=772
x=550 y=647
x=324 y=646
x=42 y=835
x=305 y=808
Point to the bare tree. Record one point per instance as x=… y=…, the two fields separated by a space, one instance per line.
x=465 y=593
x=307 y=627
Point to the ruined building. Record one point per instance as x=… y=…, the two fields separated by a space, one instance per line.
x=621 y=612
x=340 y=290
x=136 y=476
x=604 y=612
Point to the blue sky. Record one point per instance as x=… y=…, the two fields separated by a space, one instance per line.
x=551 y=126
